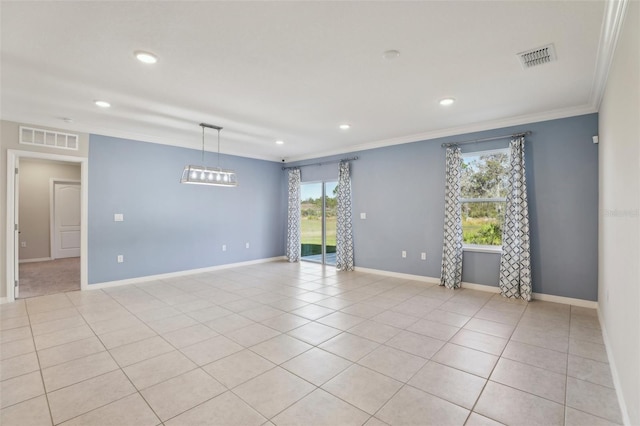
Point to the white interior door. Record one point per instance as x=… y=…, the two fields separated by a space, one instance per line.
x=66 y=201
x=16 y=233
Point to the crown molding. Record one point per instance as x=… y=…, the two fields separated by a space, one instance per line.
x=614 y=13
x=455 y=131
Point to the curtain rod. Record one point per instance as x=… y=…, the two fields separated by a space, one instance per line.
x=515 y=135
x=320 y=164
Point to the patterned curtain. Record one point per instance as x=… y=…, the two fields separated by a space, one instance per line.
x=293 y=217
x=515 y=262
x=344 y=235
x=451 y=275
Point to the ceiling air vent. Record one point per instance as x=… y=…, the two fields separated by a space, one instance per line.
x=539 y=56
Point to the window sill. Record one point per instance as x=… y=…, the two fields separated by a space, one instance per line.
x=483 y=249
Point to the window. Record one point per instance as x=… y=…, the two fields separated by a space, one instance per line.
x=485 y=178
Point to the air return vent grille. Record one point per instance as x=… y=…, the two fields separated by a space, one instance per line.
x=41 y=137
x=539 y=56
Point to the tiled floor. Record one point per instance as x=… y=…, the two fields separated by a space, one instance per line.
x=287 y=344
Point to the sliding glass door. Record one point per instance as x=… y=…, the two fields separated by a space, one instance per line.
x=318 y=221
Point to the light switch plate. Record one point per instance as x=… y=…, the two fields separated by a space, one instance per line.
x=118 y=217
x=363 y=215
x=120 y=258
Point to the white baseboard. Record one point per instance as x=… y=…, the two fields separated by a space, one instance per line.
x=483 y=287
x=146 y=278
x=4 y=300
x=39 y=259
x=614 y=371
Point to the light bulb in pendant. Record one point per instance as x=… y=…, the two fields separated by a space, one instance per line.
x=193 y=174
x=218 y=177
x=226 y=178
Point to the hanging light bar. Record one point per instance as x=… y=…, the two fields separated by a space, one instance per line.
x=203 y=175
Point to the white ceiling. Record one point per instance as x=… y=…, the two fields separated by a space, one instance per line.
x=295 y=70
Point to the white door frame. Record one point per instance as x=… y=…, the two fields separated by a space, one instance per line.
x=13 y=157
x=52 y=213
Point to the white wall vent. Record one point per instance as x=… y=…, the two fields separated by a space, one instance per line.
x=49 y=138
x=539 y=56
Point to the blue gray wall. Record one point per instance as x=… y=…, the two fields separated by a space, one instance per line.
x=168 y=226
x=401 y=189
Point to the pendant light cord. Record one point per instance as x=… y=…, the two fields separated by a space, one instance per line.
x=218 y=148
x=203 y=145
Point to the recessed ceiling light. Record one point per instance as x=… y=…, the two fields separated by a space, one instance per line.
x=102 y=104
x=345 y=126
x=146 y=57
x=390 y=54
x=447 y=101
x=280 y=142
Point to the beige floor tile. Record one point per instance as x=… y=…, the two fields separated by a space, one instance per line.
x=126 y=336
x=363 y=388
x=289 y=304
x=75 y=371
x=14 y=334
x=510 y=406
x=594 y=399
x=392 y=362
x=589 y=321
x=588 y=334
x=241 y=305
x=281 y=348
x=158 y=314
x=536 y=356
x=139 y=351
x=229 y=323
x=252 y=334
x=314 y=333
x=285 y=322
x=321 y=409
x=349 y=346
x=312 y=297
x=540 y=338
x=62 y=336
x=375 y=422
x=375 y=331
x=114 y=324
x=543 y=383
x=312 y=312
x=155 y=370
x=433 y=329
x=340 y=320
x=37 y=318
x=224 y=410
x=177 y=395
x=57 y=325
x=574 y=417
x=466 y=359
x=363 y=309
x=130 y=410
x=18 y=365
x=584 y=349
x=21 y=388
x=196 y=305
x=48 y=303
x=449 y=383
x=79 y=298
x=211 y=350
x=33 y=412
x=189 y=335
x=72 y=401
x=335 y=303
x=416 y=344
x=209 y=314
x=480 y=341
x=238 y=368
x=411 y=406
x=261 y=313
x=69 y=351
x=15 y=348
x=590 y=370
x=509 y=318
x=449 y=318
x=476 y=419
x=316 y=366
x=490 y=327
x=395 y=319
x=177 y=322
x=465 y=309
x=273 y=391
x=11 y=323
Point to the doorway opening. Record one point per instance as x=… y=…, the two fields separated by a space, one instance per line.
x=47 y=216
x=318 y=208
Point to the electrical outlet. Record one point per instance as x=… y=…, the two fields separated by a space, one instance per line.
x=118 y=217
x=23 y=244
x=363 y=215
x=224 y=247
x=120 y=258
x=246 y=245
x=423 y=256
x=404 y=254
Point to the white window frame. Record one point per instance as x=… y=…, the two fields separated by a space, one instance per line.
x=480 y=248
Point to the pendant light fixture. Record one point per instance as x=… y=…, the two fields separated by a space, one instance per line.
x=203 y=175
